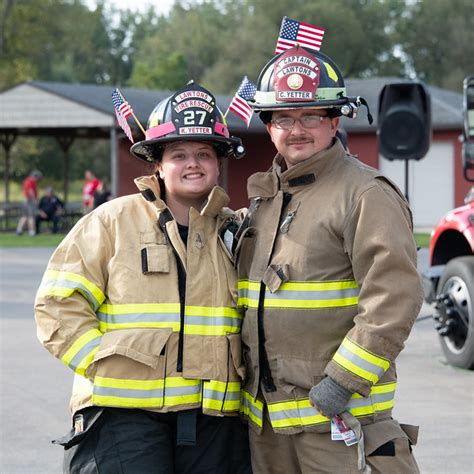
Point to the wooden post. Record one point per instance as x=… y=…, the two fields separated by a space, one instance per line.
x=65 y=142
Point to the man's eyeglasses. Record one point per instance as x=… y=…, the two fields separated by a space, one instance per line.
x=306 y=121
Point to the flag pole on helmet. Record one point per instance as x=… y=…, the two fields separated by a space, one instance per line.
x=189 y=114
x=294 y=32
x=301 y=76
x=123 y=110
x=239 y=103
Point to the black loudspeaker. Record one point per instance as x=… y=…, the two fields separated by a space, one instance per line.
x=404 y=121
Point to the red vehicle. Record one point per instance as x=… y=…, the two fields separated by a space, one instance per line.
x=449 y=283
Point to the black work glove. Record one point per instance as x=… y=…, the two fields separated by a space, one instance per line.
x=329 y=398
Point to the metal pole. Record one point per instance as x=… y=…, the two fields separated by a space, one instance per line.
x=65 y=143
x=406 y=179
x=7 y=141
x=113 y=161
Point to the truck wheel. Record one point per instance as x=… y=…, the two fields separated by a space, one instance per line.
x=455 y=304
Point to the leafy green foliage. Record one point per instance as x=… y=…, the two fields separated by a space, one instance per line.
x=215 y=43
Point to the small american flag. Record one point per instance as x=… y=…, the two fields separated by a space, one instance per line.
x=292 y=32
x=120 y=104
x=239 y=104
x=122 y=111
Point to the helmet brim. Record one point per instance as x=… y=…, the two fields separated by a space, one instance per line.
x=151 y=151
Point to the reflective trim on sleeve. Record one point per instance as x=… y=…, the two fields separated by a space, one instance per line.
x=64 y=284
x=253 y=409
x=82 y=351
x=149 y=315
x=359 y=361
x=300 y=413
x=294 y=413
x=199 y=320
x=301 y=295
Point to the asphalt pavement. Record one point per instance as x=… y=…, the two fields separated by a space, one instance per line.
x=35 y=387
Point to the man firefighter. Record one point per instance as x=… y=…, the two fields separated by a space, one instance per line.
x=140 y=301
x=328 y=278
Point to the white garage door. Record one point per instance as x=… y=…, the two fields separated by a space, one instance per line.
x=430 y=183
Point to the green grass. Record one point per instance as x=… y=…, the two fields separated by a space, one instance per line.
x=52 y=240
x=422 y=240
x=25 y=240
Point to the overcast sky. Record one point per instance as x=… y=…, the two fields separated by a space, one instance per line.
x=161 y=6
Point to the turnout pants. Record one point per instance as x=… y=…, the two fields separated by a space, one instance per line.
x=134 y=441
x=387 y=450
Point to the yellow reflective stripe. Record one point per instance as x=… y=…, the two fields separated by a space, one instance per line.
x=86 y=361
x=348 y=365
x=301 y=285
x=173 y=391
x=301 y=294
x=221 y=396
x=313 y=304
x=201 y=330
x=173 y=400
x=92 y=336
x=140 y=308
x=382 y=362
x=112 y=382
x=360 y=361
x=199 y=320
x=294 y=413
x=251 y=408
x=210 y=311
x=109 y=400
x=63 y=279
x=317 y=285
x=104 y=326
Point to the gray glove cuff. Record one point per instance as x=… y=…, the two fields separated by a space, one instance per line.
x=330 y=397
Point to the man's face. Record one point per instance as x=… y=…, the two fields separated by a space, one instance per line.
x=300 y=143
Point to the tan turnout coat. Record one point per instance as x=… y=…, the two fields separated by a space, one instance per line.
x=328 y=279
x=109 y=307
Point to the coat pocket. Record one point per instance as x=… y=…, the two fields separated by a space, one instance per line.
x=380 y=434
x=155 y=258
x=129 y=368
x=85 y=421
x=236 y=365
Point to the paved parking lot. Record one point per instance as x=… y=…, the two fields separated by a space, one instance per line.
x=36 y=387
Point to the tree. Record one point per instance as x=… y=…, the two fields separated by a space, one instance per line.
x=437 y=38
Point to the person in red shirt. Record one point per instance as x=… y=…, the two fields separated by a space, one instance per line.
x=30 y=193
x=90 y=186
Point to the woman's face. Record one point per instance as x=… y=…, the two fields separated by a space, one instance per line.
x=189 y=169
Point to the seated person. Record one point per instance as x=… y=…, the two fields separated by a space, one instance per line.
x=50 y=208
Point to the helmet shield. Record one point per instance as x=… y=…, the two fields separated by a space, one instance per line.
x=191 y=114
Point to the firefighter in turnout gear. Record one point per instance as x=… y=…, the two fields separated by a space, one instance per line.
x=328 y=280
x=140 y=301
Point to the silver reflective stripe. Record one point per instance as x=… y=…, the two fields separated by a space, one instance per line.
x=182 y=390
x=310 y=295
x=293 y=413
x=213 y=321
x=83 y=352
x=316 y=295
x=127 y=393
x=73 y=285
x=383 y=397
x=252 y=408
x=138 y=317
x=217 y=395
x=362 y=363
